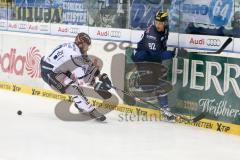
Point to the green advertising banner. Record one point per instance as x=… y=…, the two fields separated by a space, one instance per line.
x=208 y=84
x=200 y=83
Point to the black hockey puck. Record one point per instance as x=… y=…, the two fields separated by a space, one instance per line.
x=19 y=112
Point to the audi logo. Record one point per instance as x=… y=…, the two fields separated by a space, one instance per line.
x=22 y=26
x=115 y=34
x=213 y=42
x=73 y=30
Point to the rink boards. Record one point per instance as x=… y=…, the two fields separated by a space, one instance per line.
x=19 y=64
x=142 y=114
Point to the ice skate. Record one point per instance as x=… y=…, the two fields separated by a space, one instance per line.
x=168 y=116
x=97 y=115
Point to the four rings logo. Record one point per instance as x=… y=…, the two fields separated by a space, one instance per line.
x=115 y=34
x=73 y=30
x=213 y=42
x=22 y=26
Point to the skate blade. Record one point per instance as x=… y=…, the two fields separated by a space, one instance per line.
x=100 y=121
x=169 y=121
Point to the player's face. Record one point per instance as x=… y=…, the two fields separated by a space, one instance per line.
x=160 y=26
x=84 y=47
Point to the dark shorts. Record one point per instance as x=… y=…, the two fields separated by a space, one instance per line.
x=142 y=55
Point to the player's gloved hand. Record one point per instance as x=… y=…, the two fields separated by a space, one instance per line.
x=99 y=86
x=106 y=81
x=102 y=90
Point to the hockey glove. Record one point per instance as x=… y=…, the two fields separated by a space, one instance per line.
x=101 y=89
x=99 y=86
x=106 y=81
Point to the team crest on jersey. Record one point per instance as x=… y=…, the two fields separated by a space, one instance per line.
x=151 y=37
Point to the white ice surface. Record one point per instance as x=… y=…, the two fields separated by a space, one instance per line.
x=39 y=135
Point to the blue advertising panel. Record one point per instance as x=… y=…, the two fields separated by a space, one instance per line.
x=142 y=12
x=48 y=11
x=74 y=12
x=211 y=17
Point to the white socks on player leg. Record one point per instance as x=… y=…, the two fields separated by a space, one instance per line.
x=82 y=104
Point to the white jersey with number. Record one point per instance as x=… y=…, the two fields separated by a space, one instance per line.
x=67 y=57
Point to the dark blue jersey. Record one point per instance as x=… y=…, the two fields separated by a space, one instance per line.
x=153 y=41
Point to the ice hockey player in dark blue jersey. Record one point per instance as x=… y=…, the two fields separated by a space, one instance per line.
x=153 y=45
x=152 y=48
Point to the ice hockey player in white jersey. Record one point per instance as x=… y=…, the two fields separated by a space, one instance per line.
x=57 y=71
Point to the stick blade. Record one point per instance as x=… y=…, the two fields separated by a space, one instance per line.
x=225 y=44
x=198 y=118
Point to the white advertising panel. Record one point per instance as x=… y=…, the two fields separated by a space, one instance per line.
x=43 y=28
x=236 y=46
x=3 y=24
x=20 y=26
x=136 y=35
x=67 y=30
x=20 y=57
x=115 y=34
x=203 y=42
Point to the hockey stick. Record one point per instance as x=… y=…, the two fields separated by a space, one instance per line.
x=219 y=51
x=195 y=119
x=225 y=44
